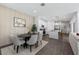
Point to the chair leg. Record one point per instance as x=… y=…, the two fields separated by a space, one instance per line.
x=14 y=47
x=30 y=48
x=36 y=45
x=17 y=48
x=41 y=42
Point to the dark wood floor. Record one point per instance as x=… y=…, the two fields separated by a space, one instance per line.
x=56 y=47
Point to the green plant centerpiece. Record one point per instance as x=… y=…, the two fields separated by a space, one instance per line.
x=34 y=28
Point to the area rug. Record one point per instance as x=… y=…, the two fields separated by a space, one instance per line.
x=22 y=51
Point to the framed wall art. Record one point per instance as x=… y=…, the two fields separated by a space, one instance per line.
x=19 y=22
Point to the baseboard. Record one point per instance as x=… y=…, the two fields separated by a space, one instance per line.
x=5 y=45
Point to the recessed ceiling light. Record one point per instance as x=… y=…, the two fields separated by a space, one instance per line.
x=34 y=11
x=42 y=4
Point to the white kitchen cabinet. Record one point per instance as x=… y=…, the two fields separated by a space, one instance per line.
x=53 y=34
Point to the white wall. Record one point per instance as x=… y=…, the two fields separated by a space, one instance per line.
x=74 y=23
x=77 y=24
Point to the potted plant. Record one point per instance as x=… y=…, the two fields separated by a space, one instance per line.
x=34 y=28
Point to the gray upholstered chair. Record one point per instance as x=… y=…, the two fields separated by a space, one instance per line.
x=32 y=41
x=17 y=42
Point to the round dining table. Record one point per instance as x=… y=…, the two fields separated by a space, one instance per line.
x=25 y=37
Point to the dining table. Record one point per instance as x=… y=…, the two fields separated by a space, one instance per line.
x=25 y=37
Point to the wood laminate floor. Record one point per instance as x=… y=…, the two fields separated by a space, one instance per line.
x=56 y=47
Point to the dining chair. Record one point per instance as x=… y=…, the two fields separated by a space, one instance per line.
x=17 y=42
x=40 y=37
x=32 y=41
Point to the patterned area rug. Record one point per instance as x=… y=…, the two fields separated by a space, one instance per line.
x=22 y=51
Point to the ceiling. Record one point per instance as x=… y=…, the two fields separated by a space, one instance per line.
x=49 y=10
